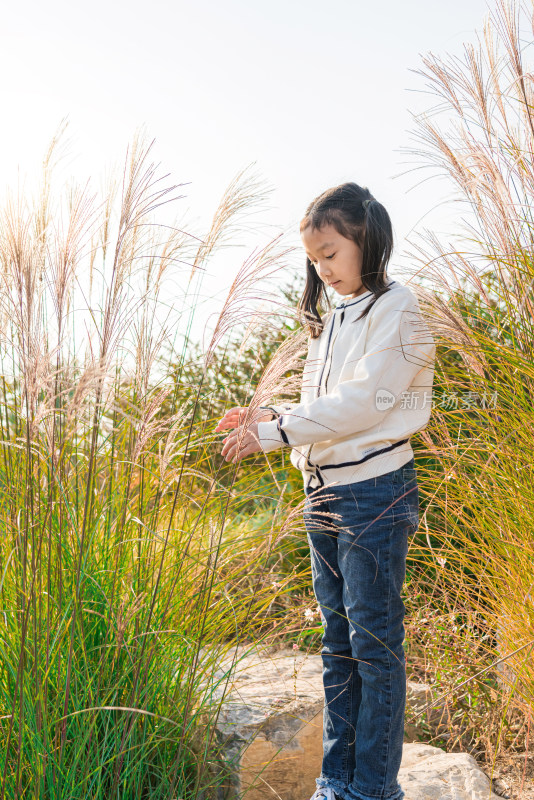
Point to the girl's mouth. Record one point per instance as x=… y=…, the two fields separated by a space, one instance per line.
x=335 y=283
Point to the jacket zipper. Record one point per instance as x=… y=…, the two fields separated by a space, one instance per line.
x=329 y=351
x=332 y=356
x=326 y=354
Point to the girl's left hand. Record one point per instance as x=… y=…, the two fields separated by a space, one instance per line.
x=248 y=444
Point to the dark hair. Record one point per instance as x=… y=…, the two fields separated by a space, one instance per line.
x=369 y=226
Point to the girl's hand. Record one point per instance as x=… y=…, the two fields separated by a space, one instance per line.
x=241 y=443
x=231 y=419
x=249 y=442
x=235 y=416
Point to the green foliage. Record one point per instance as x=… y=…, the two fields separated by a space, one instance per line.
x=125 y=572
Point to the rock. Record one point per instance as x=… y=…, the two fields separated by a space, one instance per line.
x=271 y=724
x=418 y=698
x=429 y=773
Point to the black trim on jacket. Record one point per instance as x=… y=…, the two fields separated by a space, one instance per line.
x=365 y=458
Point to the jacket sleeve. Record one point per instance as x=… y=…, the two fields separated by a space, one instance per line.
x=398 y=346
x=276 y=410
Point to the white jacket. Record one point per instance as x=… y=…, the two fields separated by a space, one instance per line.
x=366 y=388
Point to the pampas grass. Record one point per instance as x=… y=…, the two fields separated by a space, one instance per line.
x=116 y=508
x=473 y=559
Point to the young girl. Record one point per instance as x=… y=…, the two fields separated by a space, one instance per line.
x=367 y=388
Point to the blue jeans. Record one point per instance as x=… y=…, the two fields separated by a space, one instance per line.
x=358 y=568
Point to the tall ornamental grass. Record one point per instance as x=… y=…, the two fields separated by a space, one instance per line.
x=471 y=615
x=123 y=579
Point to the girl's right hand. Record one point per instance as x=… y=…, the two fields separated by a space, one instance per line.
x=234 y=416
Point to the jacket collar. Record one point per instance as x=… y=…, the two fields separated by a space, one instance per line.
x=357 y=300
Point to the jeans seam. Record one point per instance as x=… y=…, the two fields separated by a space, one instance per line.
x=346 y=777
x=388 y=656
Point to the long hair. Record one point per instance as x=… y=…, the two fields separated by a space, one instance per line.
x=369 y=227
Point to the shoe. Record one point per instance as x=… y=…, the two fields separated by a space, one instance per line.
x=325 y=793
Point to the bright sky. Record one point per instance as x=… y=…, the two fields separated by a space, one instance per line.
x=315 y=93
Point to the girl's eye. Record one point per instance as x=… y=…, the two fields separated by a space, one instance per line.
x=314 y=263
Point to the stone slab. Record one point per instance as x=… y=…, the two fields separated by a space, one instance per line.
x=271 y=724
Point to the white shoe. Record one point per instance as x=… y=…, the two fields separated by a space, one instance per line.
x=324 y=792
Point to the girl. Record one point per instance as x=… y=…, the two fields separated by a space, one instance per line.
x=367 y=387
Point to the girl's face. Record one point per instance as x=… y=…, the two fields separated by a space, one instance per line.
x=337 y=261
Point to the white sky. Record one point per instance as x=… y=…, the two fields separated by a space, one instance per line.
x=315 y=93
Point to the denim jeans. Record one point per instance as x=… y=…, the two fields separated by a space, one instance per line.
x=358 y=562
